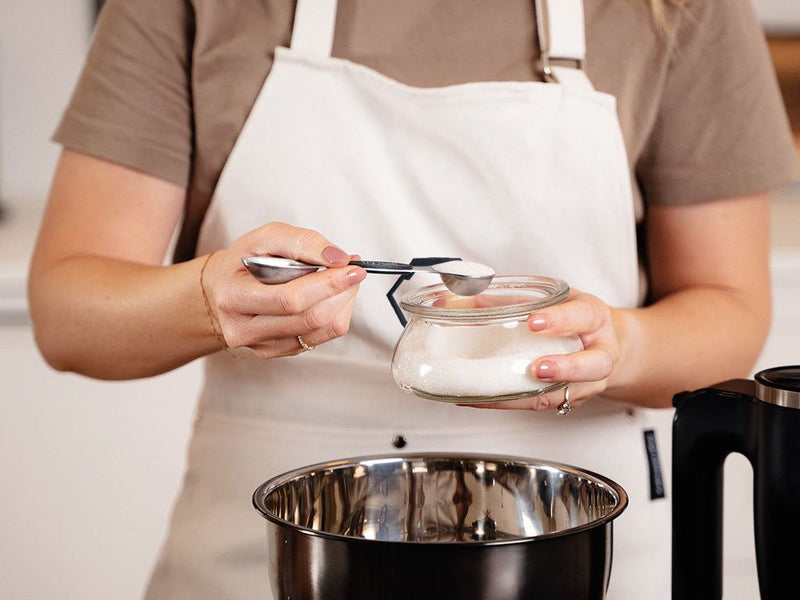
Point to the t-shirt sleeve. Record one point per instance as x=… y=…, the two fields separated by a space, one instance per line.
x=722 y=129
x=132 y=104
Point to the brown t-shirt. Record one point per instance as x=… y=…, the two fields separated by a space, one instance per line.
x=168 y=84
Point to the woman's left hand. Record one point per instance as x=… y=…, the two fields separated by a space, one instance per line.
x=586 y=372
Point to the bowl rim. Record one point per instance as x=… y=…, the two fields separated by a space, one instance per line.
x=266 y=488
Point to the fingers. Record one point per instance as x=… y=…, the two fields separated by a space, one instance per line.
x=581 y=314
x=268 y=318
x=281 y=339
x=321 y=323
x=585 y=371
x=592 y=364
x=294 y=297
x=307 y=245
x=589 y=318
x=578 y=393
x=249 y=296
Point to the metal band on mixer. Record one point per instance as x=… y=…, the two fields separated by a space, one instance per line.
x=780 y=386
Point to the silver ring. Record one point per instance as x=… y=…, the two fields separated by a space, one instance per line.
x=564 y=408
x=305 y=346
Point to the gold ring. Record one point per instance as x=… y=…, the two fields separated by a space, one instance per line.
x=305 y=346
x=564 y=408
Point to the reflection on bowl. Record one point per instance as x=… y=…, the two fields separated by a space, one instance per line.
x=355 y=526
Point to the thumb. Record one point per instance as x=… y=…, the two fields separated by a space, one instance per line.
x=307 y=245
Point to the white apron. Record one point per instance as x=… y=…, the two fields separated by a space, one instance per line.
x=528 y=177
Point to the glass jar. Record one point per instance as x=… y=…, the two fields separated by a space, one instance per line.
x=477 y=349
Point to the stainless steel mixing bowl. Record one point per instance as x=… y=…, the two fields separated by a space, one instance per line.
x=439 y=526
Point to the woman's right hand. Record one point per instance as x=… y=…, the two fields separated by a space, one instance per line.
x=269 y=318
x=104 y=305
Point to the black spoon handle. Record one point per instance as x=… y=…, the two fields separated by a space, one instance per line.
x=380 y=266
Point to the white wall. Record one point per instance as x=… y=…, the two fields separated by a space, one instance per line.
x=88 y=473
x=779 y=16
x=42 y=44
x=88 y=470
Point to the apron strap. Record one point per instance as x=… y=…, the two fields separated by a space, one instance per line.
x=560 y=25
x=561 y=31
x=314 y=24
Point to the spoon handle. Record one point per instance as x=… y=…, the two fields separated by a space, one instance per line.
x=381 y=266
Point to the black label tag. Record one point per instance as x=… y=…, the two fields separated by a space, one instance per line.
x=656 y=476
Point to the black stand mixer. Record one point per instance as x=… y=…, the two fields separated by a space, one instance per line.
x=761 y=420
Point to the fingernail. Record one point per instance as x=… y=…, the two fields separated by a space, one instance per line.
x=355 y=276
x=538 y=323
x=335 y=255
x=546 y=370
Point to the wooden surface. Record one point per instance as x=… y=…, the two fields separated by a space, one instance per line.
x=786 y=57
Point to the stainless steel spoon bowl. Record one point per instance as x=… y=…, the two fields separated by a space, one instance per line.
x=273 y=270
x=460 y=277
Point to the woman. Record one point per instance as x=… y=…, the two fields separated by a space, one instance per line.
x=436 y=129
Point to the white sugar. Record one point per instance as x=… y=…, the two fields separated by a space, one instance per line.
x=465 y=268
x=483 y=361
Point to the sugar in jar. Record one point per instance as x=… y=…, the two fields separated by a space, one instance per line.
x=476 y=349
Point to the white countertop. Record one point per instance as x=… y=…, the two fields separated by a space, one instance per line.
x=19 y=229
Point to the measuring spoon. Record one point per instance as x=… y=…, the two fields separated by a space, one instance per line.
x=460 y=277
